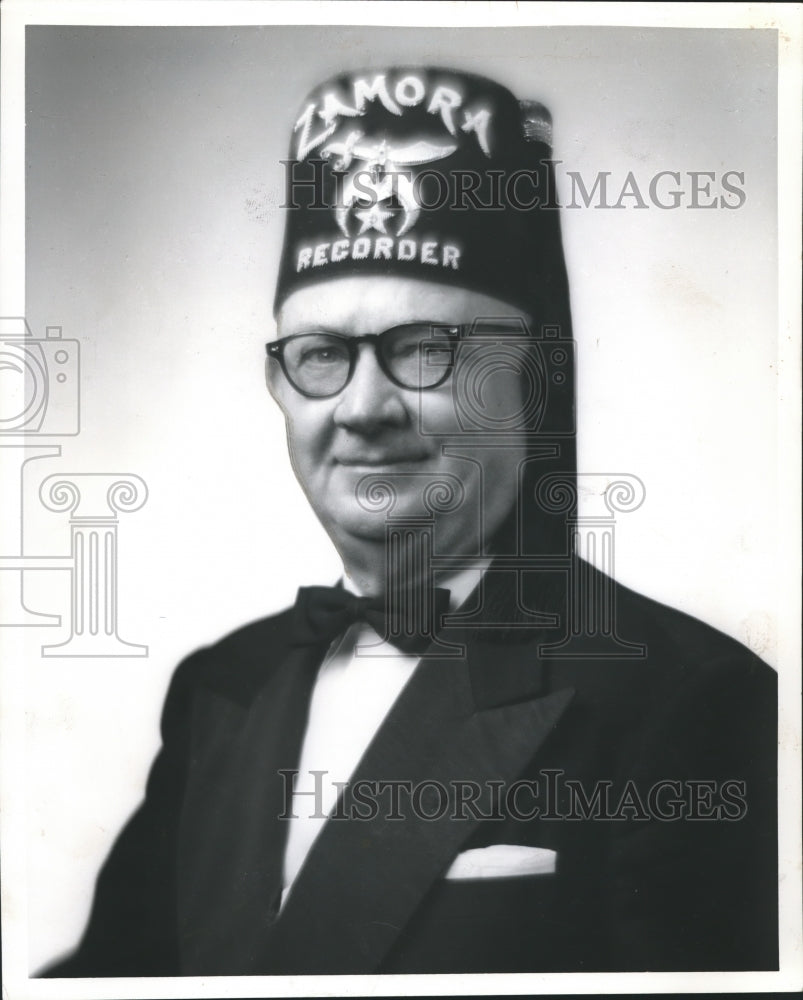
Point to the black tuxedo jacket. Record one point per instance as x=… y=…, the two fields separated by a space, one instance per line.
x=192 y=885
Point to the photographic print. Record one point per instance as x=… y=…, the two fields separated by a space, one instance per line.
x=400 y=499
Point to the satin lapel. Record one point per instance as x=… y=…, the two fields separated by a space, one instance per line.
x=231 y=840
x=363 y=880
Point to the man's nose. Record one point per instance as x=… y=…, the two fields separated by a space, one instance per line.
x=370 y=400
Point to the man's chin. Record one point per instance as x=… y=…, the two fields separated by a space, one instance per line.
x=354 y=526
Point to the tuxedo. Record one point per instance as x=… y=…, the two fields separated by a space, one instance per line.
x=193 y=883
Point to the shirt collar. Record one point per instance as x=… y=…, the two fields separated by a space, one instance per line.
x=459 y=584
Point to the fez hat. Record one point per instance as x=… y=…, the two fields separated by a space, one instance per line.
x=428 y=173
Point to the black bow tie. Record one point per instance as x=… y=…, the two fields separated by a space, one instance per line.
x=407 y=620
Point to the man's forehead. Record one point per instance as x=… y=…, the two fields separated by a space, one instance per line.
x=371 y=303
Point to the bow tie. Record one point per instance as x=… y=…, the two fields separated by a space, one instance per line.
x=323 y=613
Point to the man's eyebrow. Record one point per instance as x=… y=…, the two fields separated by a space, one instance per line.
x=438 y=324
x=322 y=328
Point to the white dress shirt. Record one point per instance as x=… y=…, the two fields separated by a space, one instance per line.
x=353 y=693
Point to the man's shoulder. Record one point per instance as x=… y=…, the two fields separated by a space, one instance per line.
x=655 y=652
x=239 y=663
x=689 y=669
x=274 y=628
x=680 y=693
x=677 y=637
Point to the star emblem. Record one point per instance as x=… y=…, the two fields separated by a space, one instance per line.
x=373 y=218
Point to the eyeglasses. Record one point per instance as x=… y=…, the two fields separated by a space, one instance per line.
x=320 y=364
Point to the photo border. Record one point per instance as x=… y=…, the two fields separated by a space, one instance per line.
x=786 y=19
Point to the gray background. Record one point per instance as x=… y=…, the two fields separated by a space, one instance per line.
x=153 y=180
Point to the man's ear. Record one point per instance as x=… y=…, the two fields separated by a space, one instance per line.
x=271 y=374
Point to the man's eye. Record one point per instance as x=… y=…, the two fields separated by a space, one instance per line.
x=405 y=349
x=322 y=356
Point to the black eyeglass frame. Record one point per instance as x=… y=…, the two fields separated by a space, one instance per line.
x=275 y=350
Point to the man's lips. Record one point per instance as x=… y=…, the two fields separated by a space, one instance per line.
x=377 y=461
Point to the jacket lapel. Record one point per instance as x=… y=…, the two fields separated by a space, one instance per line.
x=231 y=839
x=478 y=720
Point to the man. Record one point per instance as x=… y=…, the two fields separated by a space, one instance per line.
x=477 y=753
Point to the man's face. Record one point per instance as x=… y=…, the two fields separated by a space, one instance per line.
x=375 y=430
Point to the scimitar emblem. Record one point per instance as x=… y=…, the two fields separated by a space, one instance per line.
x=382 y=176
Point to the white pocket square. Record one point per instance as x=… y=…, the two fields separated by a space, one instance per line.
x=503 y=861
